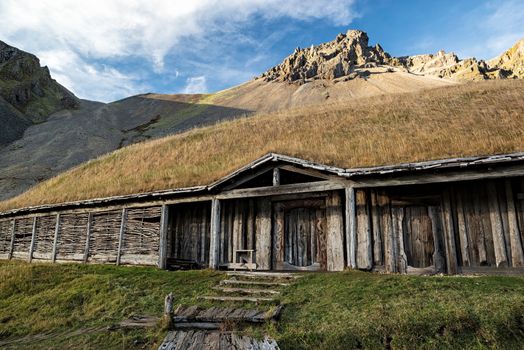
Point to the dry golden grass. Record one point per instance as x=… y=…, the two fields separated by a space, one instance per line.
x=471 y=119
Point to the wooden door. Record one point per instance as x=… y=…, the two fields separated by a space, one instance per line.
x=422 y=231
x=299 y=235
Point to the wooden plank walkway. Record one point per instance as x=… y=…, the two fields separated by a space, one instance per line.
x=214 y=340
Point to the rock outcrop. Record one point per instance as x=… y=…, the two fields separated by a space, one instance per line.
x=349 y=56
x=28 y=87
x=331 y=60
x=511 y=61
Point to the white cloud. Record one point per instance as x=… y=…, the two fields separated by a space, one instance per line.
x=195 y=85
x=86 y=31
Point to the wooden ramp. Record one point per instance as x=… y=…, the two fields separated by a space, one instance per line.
x=214 y=340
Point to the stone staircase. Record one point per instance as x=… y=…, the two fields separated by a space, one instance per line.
x=244 y=298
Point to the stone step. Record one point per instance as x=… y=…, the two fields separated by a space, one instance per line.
x=246 y=290
x=239 y=299
x=254 y=283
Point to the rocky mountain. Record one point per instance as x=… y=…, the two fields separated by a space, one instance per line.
x=47 y=130
x=349 y=56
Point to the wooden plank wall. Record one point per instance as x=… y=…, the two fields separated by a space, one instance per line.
x=190 y=232
x=240 y=222
x=463 y=226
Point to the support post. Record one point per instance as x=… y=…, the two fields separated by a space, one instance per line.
x=276 y=177
x=351 y=227
x=55 y=240
x=88 y=236
x=162 y=249
x=121 y=235
x=517 y=254
x=33 y=240
x=215 y=233
x=12 y=248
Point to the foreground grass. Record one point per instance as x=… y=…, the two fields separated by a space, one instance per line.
x=471 y=119
x=323 y=310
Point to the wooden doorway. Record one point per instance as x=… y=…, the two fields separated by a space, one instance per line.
x=299 y=235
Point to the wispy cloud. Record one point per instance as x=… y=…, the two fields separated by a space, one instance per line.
x=70 y=35
x=195 y=85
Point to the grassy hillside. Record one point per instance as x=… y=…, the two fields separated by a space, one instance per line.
x=71 y=306
x=471 y=119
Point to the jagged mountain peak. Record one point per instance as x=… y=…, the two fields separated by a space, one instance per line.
x=349 y=55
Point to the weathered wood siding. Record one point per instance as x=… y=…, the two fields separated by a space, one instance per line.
x=190 y=232
x=441 y=228
x=141 y=239
x=44 y=238
x=99 y=237
x=6 y=231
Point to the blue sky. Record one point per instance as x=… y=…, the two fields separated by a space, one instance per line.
x=109 y=49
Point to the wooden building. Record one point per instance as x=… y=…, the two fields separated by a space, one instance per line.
x=462 y=215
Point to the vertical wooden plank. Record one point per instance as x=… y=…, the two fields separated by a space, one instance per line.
x=436 y=228
x=335 y=233
x=121 y=235
x=397 y=214
x=12 y=245
x=250 y=227
x=276 y=177
x=377 y=235
x=237 y=229
x=364 y=244
x=278 y=235
x=203 y=214
x=499 y=243
x=351 y=227
x=230 y=223
x=55 y=239
x=88 y=236
x=462 y=230
x=517 y=254
x=449 y=234
x=214 y=234
x=33 y=240
x=478 y=222
x=162 y=249
x=386 y=224
x=263 y=234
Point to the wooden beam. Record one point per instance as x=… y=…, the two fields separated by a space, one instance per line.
x=335 y=233
x=162 y=248
x=377 y=235
x=246 y=178
x=12 y=245
x=364 y=256
x=88 y=236
x=517 y=254
x=497 y=229
x=55 y=240
x=462 y=230
x=33 y=240
x=214 y=234
x=121 y=235
x=400 y=179
x=276 y=177
x=310 y=172
x=397 y=215
x=317 y=186
x=449 y=234
x=351 y=227
x=263 y=234
x=386 y=222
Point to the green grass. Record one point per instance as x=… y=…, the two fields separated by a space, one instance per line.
x=323 y=310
